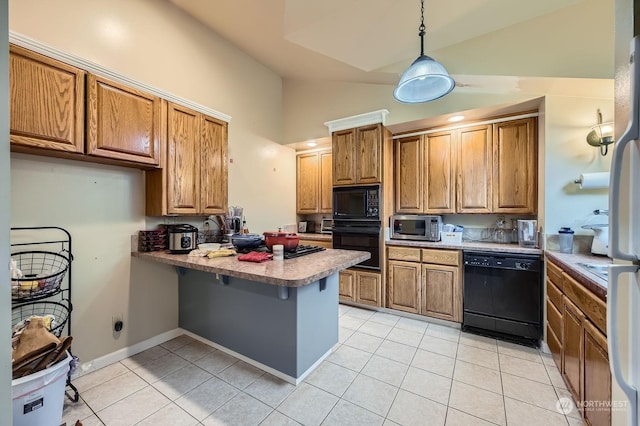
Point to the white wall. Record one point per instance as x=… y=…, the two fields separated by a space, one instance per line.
x=155 y=43
x=5 y=298
x=567 y=155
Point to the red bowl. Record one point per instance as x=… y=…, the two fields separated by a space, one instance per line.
x=288 y=240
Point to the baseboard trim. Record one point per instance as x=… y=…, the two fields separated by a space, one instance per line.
x=120 y=354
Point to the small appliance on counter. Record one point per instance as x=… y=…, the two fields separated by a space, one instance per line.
x=600 y=244
x=326 y=226
x=416 y=227
x=182 y=238
x=307 y=226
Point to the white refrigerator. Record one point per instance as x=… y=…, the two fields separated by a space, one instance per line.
x=623 y=296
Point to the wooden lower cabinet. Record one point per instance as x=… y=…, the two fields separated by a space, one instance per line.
x=441 y=292
x=431 y=289
x=597 y=376
x=572 y=354
x=578 y=345
x=346 y=285
x=404 y=292
x=360 y=287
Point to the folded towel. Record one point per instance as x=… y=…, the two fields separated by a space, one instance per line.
x=221 y=253
x=256 y=256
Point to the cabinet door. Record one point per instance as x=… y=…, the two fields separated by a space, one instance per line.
x=307 y=184
x=369 y=154
x=346 y=285
x=573 y=345
x=439 y=173
x=183 y=160
x=514 y=166
x=344 y=157
x=368 y=288
x=404 y=286
x=122 y=123
x=46 y=102
x=326 y=182
x=441 y=292
x=597 y=376
x=474 y=170
x=213 y=166
x=408 y=174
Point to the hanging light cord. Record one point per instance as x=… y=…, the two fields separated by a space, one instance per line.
x=422 y=28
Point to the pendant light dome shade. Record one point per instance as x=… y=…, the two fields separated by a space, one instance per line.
x=425 y=80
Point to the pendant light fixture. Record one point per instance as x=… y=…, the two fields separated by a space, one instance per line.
x=426 y=79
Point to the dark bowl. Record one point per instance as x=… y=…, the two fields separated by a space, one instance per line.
x=246 y=241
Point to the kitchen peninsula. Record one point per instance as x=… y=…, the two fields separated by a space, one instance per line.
x=282 y=316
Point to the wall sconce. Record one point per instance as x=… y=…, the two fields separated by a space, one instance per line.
x=601 y=135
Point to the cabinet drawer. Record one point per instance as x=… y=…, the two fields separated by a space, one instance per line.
x=554 y=294
x=441 y=257
x=406 y=254
x=554 y=319
x=554 y=273
x=591 y=305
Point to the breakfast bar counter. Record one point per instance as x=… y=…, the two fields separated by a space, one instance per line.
x=280 y=316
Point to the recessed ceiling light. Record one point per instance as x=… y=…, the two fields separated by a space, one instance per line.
x=456 y=118
x=311 y=143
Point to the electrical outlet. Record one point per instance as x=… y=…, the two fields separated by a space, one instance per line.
x=117 y=323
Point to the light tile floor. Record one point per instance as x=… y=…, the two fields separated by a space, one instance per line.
x=387 y=370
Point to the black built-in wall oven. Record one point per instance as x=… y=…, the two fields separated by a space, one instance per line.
x=356 y=221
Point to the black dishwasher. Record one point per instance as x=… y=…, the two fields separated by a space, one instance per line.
x=503 y=296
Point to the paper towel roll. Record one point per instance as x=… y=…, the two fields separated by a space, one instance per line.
x=593 y=180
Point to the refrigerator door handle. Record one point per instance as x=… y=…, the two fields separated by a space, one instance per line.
x=630 y=135
x=613 y=337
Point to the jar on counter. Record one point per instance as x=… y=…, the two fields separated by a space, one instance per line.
x=565 y=238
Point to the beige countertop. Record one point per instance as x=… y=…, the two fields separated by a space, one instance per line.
x=314 y=236
x=569 y=264
x=295 y=272
x=488 y=247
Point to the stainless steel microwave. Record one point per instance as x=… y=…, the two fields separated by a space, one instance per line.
x=416 y=227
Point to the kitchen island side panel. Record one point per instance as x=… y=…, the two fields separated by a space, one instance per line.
x=249 y=318
x=317 y=318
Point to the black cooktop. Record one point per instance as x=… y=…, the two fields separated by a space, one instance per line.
x=301 y=250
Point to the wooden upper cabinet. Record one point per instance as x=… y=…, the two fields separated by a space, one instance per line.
x=313 y=182
x=357 y=155
x=46 y=102
x=326 y=182
x=122 y=123
x=408 y=174
x=514 y=166
x=439 y=173
x=213 y=166
x=183 y=160
x=474 y=184
x=344 y=157
x=369 y=154
x=307 y=183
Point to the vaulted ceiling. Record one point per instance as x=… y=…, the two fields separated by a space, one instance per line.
x=373 y=41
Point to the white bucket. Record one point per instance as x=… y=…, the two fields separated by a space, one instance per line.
x=38 y=399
